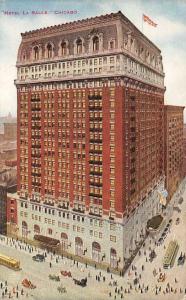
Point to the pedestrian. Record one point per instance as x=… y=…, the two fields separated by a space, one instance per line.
x=86 y=265
x=22 y=292
x=17 y=295
x=96 y=277
x=1 y=285
x=175 y=280
x=50 y=265
x=6 y=282
x=3 y=294
x=103 y=278
x=6 y=290
x=142 y=267
x=110 y=294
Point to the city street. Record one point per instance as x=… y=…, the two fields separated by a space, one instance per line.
x=104 y=285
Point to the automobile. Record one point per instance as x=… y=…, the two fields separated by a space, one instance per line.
x=38 y=257
x=180 y=200
x=82 y=282
x=54 y=277
x=28 y=284
x=176 y=208
x=66 y=273
x=170 y=221
x=160 y=241
x=164 y=235
x=166 y=229
x=177 y=221
x=181 y=259
x=61 y=289
x=168 y=225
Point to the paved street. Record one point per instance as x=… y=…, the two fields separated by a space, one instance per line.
x=118 y=287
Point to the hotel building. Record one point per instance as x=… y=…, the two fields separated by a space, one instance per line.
x=90 y=98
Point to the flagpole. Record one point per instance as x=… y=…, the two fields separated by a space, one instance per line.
x=142 y=24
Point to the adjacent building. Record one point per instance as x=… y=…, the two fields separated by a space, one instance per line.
x=10 y=131
x=3 y=210
x=184 y=149
x=174 y=156
x=90 y=137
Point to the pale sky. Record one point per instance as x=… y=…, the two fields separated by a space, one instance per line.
x=169 y=36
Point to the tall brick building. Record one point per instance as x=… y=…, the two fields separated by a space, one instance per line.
x=174 y=158
x=90 y=97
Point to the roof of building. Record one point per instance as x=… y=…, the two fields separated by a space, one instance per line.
x=174 y=107
x=84 y=22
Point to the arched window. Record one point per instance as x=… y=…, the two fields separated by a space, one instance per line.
x=64 y=241
x=49 y=50
x=95 y=43
x=79 y=46
x=96 y=251
x=64 y=48
x=78 y=246
x=36 y=229
x=113 y=258
x=36 y=52
x=111 y=44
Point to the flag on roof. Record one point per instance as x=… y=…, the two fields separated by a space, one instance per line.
x=149 y=21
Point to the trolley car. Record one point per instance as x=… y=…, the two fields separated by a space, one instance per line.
x=170 y=255
x=10 y=262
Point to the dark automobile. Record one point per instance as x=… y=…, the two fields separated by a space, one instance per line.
x=176 y=208
x=82 y=282
x=38 y=257
x=181 y=259
x=180 y=200
x=160 y=241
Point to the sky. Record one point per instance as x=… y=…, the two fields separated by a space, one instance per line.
x=169 y=36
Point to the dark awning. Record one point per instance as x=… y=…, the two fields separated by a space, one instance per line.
x=46 y=240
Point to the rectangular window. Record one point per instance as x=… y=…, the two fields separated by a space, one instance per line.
x=112 y=238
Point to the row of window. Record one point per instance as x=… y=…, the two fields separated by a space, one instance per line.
x=64 y=48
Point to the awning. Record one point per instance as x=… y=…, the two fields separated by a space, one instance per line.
x=46 y=240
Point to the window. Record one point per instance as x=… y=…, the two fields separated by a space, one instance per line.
x=95 y=43
x=79 y=46
x=64 y=48
x=36 y=52
x=50 y=231
x=49 y=50
x=112 y=238
x=111 y=44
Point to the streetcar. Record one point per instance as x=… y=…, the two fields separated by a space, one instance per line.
x=10 y=262
x=170 y=255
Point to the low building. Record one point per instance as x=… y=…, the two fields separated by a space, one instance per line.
x=10 y=131
x=184 y=149
x=3 y=208
x=173 y=120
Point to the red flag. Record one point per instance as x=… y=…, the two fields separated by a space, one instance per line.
x=149 y=21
